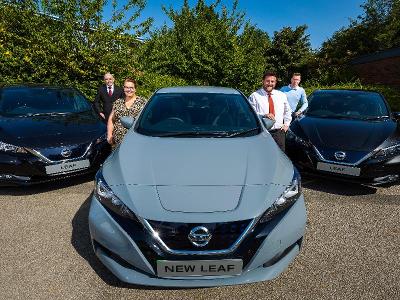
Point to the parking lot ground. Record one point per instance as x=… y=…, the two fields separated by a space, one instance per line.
x=351 y=248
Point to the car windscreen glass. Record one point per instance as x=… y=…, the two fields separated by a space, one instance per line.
x=198 y=115
x=352 y=105
x=36 y=101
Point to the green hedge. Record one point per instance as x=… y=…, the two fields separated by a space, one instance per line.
x=149 y=82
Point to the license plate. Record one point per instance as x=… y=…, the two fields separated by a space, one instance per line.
x=340 y=169
x=67 y=167
x=167 y=268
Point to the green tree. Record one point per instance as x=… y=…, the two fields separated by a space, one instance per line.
x=249 y=59
x=68 y=42
x=200 y=45
x=378 y=28
x=390 y=36
x=208 y=44
x=290 y=51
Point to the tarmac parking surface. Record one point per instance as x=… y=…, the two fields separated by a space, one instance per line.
x=351 y=248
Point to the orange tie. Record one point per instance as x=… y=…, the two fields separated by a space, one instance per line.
x=271 y=104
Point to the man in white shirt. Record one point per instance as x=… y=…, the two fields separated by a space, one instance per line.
x=296 y=95
x=273 y=104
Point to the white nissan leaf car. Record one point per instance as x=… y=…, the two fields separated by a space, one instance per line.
x=197 y=194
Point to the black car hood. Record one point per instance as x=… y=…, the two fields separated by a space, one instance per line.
x=346 y=134
x=50 y=130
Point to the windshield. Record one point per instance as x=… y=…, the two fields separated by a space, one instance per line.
x=347 y=104
x=198 y=115
x=27 y=101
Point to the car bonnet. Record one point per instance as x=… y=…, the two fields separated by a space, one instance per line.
x=198 y=175
x=356 y=135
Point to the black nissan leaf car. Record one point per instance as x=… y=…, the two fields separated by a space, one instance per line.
x=48 y=133
x=347 y=134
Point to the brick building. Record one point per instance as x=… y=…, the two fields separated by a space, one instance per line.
x=379 y=68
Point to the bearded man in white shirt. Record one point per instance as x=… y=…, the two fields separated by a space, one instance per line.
x=273 y=104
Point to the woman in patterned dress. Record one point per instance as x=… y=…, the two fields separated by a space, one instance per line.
x=128 y=107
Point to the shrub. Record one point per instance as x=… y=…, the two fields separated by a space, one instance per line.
x=149 y=82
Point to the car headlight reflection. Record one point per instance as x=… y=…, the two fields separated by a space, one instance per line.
x=101 y=139
x=296 y=139
x=288 y=197
x=4 y=147
x=106 y=197
x=388 y=152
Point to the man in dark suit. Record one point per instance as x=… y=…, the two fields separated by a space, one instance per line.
x=106 y=95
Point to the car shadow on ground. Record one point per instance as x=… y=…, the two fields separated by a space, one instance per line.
x=336 y=187
x=45 y=187
x=80 y=240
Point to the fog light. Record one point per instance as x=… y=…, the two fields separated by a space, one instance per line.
x=279 y=256
x=5 y=176
x=386 y=179
x=15 y=177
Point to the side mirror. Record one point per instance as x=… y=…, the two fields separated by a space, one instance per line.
x=268 y=123
x=396 y=116
x=127 y=122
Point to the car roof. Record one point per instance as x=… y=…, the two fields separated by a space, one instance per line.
x=34 y=85
x=198 y=89
x=346 y=90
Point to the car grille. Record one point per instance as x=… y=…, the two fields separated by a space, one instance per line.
x=54 y=153
x=149 y=248
x=352 y=157
x=175 y=235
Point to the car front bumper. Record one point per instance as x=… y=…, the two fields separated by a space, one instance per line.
x=28 y=169
x=372 y=171
x=272 y=247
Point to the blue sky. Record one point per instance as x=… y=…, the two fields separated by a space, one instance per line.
x=323 y=17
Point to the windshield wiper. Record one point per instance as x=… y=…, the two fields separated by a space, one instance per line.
x=375 y=118
x=348 y=117
x=239 y=133
x=340 y=117
x=195 y=133
x=46 y=114
x=320 y=116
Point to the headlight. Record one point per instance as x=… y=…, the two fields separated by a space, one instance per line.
x=388 y=152
x=288 y=197
x=11 y=148
x=106 y=197
x=101 y=139
x=298 y=140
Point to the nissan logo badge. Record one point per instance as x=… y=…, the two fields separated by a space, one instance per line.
x=199 y=236
x=66 y=153
x=340 y=155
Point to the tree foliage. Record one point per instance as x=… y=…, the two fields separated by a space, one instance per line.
x=204 y=46
x=68 y=42
x=74 y=42
x=378 y=28
x=250 y=59
x=290 y=51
